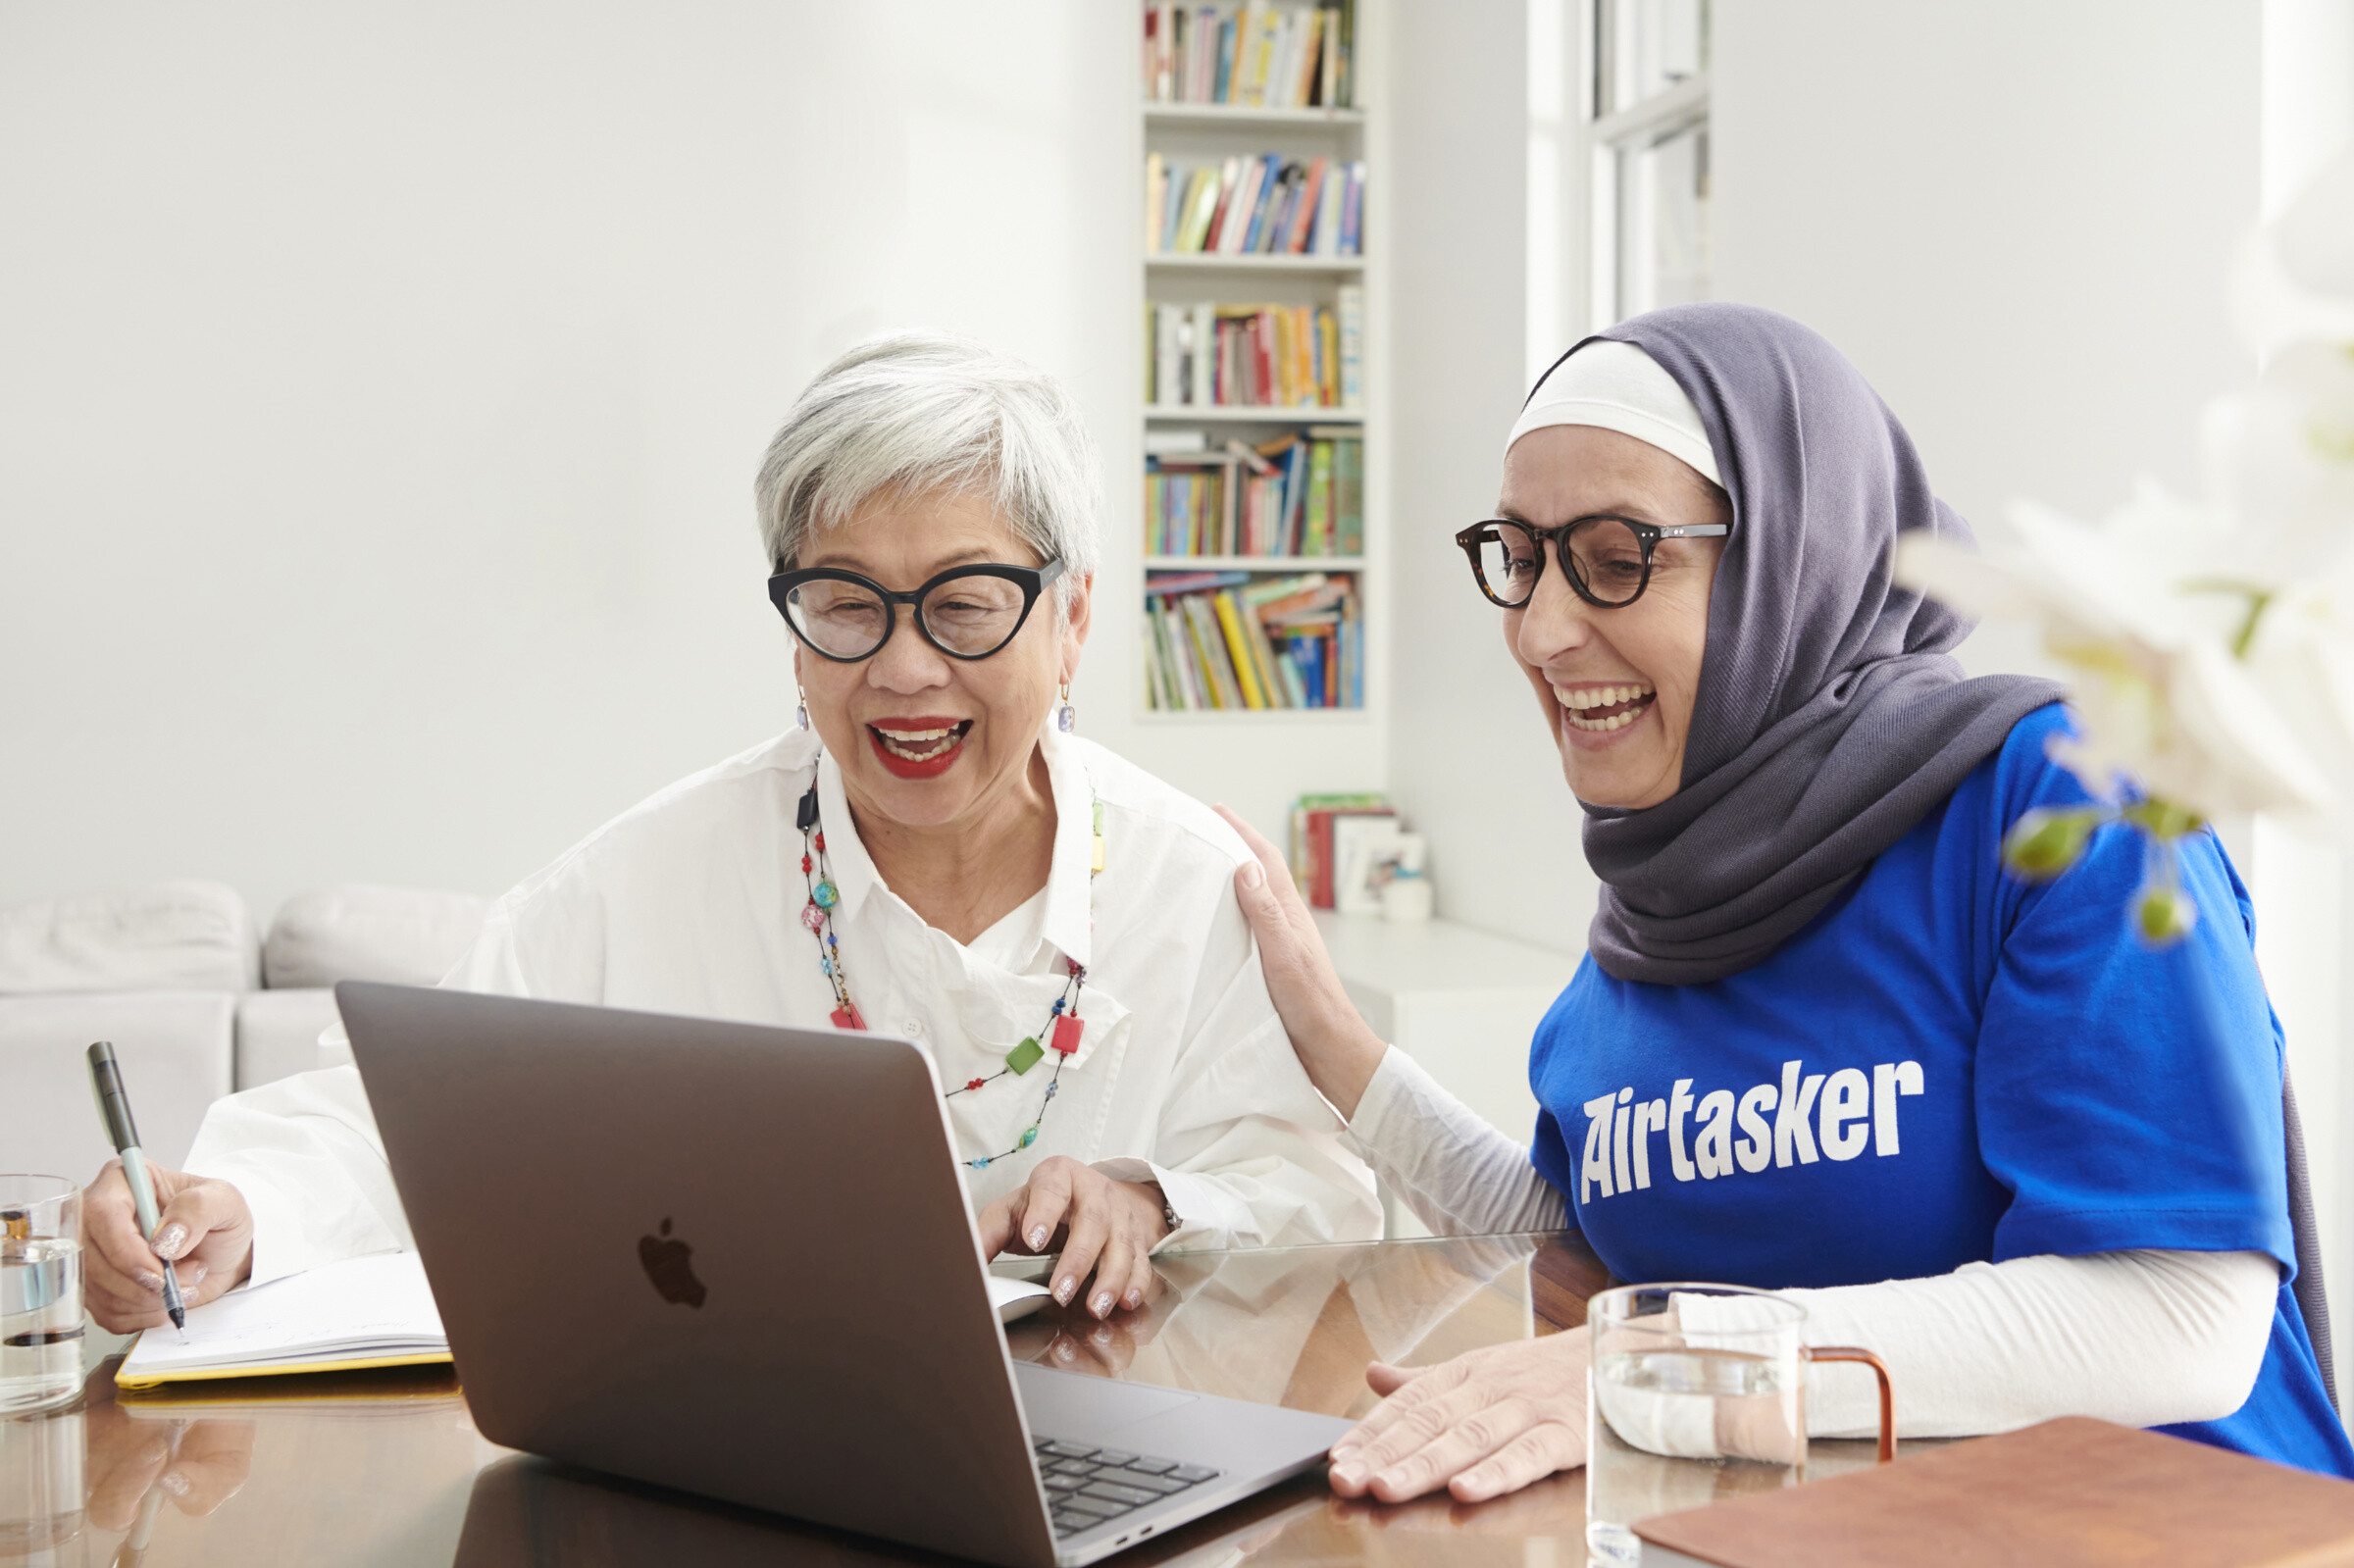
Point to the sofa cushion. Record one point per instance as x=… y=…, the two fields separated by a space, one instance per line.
x=175 y=1047
x=355 y=932
x=174 y=936
x=278 y=1035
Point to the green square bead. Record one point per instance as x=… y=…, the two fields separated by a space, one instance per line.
x=1024 y=1056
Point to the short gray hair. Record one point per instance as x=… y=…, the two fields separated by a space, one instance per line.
x=920 y=411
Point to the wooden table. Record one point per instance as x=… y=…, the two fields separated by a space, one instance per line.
x=387 y=1467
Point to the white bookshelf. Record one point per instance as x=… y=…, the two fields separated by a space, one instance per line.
x=1308 y=265
x=1233 y=414
x=1189 y=134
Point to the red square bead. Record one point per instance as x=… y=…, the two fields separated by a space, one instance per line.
x=1067 y=1030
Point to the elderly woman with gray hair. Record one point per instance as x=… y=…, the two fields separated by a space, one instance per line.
x=929 y=852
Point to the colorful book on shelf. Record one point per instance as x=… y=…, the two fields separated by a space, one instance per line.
x=1254 y=55
x=1312 y=846
x=1349 y=304
x=1267 y=205
x=1267 y=643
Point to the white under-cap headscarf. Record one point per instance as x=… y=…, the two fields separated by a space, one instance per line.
x=1617 y=386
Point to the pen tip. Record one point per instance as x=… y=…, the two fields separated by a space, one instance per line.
x=179 y=1321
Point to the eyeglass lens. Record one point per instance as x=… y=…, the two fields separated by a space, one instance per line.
x=1605 y=553
x=970 y=615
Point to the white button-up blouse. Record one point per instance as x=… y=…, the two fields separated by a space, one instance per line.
x=691 y=903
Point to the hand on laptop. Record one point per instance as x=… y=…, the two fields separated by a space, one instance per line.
x=1484 y=1424
x=204 y=1223
x=1098 y=1224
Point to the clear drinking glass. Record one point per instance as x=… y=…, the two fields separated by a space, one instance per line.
x=40 y=1292
x=1697 y=1395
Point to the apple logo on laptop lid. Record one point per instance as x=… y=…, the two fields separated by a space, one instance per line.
x=669 y=1264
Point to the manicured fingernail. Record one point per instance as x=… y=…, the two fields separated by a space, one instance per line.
x=152 y=1284
x=1343 y=1452
x=170 y=1240
x=1064 y=1350
x=1037 y=1238
x=1103 y=1333
x=1101 y=1304
x=1351 y=1475
x=1253 y=877
x=1136 y=1298
x=196 y=1273
x=173 y=1481
x=1064 y=1289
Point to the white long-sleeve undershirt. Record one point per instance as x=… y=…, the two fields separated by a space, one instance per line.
x=2140 y=1337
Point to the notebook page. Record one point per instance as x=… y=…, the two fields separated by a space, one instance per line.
x=378 y=1305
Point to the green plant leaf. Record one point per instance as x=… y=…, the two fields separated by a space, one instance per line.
x=2046 y=841
x=2165 y=915
x=2163 y=819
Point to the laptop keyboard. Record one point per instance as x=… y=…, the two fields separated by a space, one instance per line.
x=1088 y=1486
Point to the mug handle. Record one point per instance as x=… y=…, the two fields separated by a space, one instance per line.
x=1879 y=1369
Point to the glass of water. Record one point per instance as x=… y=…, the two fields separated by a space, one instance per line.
x=1697 y=1395
x=40 y=1293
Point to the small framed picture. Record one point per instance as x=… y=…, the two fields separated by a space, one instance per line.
x=1366 y=852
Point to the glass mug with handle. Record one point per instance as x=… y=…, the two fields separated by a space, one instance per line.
x=1697 y=1395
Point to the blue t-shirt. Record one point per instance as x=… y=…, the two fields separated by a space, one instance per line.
x=1949 y=1065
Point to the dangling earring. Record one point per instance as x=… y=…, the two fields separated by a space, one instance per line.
x=1066 y=717
x=800 y=718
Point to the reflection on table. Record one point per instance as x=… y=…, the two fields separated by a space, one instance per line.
x=387 y=1467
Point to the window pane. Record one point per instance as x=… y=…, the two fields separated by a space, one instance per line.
x=1646 y=47
x=1663 y=221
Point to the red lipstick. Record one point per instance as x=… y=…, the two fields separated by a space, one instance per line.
x=922 y=747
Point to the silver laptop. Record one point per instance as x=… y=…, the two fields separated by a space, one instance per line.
x=737 y=1260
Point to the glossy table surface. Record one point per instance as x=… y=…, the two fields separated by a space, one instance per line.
x=387 y=1468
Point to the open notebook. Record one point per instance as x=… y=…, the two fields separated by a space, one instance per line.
x=374 y=1311
x=366 y=1312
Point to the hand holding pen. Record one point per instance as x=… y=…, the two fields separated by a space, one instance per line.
x=193 y=1227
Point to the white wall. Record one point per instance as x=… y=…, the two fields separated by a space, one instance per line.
x=1470 y=762
x=380 y=391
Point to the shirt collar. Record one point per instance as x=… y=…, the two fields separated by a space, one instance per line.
x=1069 y=921
x=1070 y=876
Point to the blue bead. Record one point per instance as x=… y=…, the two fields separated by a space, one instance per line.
x=978 y=1165
x=826 y=965
x=1050 y=1088
x=827 y=896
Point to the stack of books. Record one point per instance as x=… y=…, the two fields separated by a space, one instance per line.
x=1300 y=494
x=1255 y=55
x=1221 y=640
x=1256 y=356
x=1269 y=205
x=1319 y=824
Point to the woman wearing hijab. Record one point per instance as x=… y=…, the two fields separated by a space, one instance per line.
x=929 y=852
x=1820 y=1042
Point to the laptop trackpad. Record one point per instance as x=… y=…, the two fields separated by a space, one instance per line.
x=1072 y=1404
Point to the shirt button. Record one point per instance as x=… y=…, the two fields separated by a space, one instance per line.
x=911 y=1028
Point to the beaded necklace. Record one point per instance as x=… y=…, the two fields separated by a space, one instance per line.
x=1063 y=1025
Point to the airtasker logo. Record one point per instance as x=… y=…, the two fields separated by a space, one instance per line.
x=669 y=1264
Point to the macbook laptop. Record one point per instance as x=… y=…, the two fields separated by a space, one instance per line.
x=737 y=1260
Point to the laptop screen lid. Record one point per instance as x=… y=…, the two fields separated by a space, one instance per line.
x=723 y=1257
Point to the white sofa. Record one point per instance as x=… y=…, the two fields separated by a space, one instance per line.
x=194 y=1001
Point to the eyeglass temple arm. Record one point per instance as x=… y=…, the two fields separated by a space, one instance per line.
x=1696 y=530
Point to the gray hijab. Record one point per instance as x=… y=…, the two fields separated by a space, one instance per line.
x=1831 y=718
